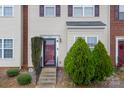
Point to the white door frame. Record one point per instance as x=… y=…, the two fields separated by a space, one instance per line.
x=57 y=47
x=116 y=47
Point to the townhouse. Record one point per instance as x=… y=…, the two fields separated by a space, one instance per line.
x=117 y=34
x=59 y=26
x=10 y=36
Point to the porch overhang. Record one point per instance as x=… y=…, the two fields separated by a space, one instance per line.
x=85 y=25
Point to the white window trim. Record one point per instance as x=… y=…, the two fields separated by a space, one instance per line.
x=50 y=6
x=85 y=37
x=6 y=48
x=3 y=10
x=83 y=6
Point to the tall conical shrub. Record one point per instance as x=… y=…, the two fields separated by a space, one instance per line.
x=102 y=62
x=78 y=64
x=36 y=47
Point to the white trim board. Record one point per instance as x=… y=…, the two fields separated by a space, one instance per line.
x=57 y=47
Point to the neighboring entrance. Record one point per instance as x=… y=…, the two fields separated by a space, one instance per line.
x=120 y=52
x=49 y=53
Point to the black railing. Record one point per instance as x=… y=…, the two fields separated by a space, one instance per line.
x=38 y=70
x=120 y=59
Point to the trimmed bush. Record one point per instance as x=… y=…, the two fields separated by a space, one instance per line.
x=78 y=64
x=102 y=62
x=12 y=72
x=24 y=79
x=36 y=46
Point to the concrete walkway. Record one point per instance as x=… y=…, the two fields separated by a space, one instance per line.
x=47 y=78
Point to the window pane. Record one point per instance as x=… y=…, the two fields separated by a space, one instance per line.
x=0 y=43
x=0 y=10
x=88 y=11
x=7 y=11
x=121 y=15
x=8 y=43
x=0 y=53
x=91 y=41
x=121 y=12
x=121 y=8
x=78 y=11
x=49 y=11
x=8 y=53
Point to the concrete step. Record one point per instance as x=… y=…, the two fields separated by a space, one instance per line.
x=47 y=77
x=47 y=82
x=48 y=74
x=49 y=69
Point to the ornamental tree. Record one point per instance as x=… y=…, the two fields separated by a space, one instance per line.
x=102 y=62
x=78 y=63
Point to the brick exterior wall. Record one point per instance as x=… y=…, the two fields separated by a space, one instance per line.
x=116 y=29
x=25 y=37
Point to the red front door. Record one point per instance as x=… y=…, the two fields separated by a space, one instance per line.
x=120 y=52
x=49 y=52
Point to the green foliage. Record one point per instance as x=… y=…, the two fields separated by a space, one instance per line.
x=36 y=50
x=12 y=72
x=78 y=64
x=102 y=62
x=24 y=79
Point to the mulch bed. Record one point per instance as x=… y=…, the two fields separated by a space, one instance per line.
x=63 y=81
x=10 y=82
x=115 y=81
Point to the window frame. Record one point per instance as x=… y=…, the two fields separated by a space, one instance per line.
x=86 y=38
x=3 y=6
x=45 y=6
x=83 y=7
x=7 y=48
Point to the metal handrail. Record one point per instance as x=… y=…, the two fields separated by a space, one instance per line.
x=38 y=70
x=121 y=59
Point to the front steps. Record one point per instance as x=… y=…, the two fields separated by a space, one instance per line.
x=47 y=77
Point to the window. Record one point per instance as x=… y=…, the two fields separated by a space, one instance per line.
x=6 y=48
x=88 y=11
x=83 y=10
x=90 y=40
x=78 y=11
x=6 y=10
x=121 y=11
x=0 y=48
x=49 y=10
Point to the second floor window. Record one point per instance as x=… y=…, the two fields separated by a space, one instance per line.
x=80 y=11
x=6 y=10
x=49 y=10
x=121 y=12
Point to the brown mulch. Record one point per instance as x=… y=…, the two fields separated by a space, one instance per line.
x=114 y=81
x=10 y=82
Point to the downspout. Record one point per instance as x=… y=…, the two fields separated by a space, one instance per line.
x=24 y=37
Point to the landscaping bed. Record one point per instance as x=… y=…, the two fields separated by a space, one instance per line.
x=10 y=82
x=114 y=81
